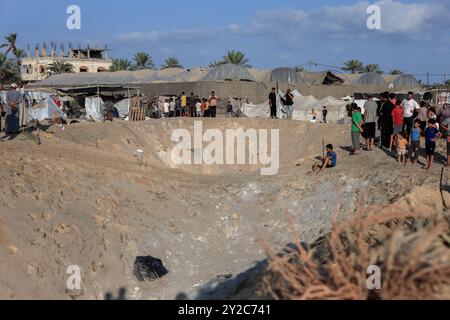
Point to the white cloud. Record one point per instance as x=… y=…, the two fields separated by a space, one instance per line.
x=407 y=20
x=234 y=28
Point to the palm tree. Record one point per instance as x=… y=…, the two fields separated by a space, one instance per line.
x=354 y=66
x=59 y=66
x=396 y=72
x=236 y=57
x=216 y=64
x=7 y=71
x=171 y=62
x=11 y=46
x=447 y=84
x=120 y=65
x=143 y=61
x=299 y=69
x=373 y=68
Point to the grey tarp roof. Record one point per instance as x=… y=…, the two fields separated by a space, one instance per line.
x=403 y=80
x=321 y=78
x=286 y=75
x=228 y=72
x=368 y=78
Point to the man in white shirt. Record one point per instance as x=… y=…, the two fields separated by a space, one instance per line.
x=409 y=107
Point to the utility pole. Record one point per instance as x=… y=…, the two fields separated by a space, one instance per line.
x=428 y=78
x=310 y=65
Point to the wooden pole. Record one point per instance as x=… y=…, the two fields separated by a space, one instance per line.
x=323 y=148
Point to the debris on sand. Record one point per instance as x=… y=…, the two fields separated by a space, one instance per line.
x=149 y=268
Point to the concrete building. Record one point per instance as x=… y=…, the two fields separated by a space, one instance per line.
x=34 y=68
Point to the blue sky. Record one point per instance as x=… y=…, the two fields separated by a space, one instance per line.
x=415 y=35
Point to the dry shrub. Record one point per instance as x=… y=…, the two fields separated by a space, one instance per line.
x=411 y=248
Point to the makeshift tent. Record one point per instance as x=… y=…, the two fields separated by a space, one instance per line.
x=260 y=75
x=321 y=78
x=94 y=107
x=361 y=79
x=401 y=81
x=190 y=75
x=337 y=109
x=286 y=75
x=228 y=72
x=45 y=110
x=263 y=110
x=123 y=107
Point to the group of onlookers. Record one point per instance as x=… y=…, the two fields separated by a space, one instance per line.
x=402 y=124
x=192 y=106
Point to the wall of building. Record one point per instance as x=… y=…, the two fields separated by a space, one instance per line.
x=34 y=69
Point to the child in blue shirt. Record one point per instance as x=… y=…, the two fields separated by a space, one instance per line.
x=329 y=161
x=431 y=134
x=414 y=142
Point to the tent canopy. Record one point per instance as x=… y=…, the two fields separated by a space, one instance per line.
x=228 y=72
x=286 y=75
x=321 y=78
x=367 y=78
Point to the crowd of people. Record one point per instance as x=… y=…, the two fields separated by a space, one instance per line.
x=192 y=106
x=402 y=124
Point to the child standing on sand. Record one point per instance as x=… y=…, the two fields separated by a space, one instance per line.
x=401 y=150
x=431 y=133
x=414 y=142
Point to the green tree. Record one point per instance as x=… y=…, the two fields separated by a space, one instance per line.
x=299 y=69
x=216 y=64
x=11 y=46
x=143 y=61
x=396 y=72
x=59 y=66
x=354 y=66
x=236 y=57
x=171 y=62
x=120 y=65
x=7 y=69
x=373 y=68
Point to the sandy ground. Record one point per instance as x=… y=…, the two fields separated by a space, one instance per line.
x=81 y=198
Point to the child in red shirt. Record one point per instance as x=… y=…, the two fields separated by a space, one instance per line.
x=397 y=120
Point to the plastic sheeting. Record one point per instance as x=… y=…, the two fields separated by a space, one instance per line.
x=45 y=110
x=286 y=75
x=37 y=96
x=123 y=107
x=337 y=109
x=228 y=72
x=263 y=110
x=94 y=107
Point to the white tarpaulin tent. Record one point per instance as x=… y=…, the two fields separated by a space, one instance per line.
x=337 y=109
x=94 y=107
x=47 y=109
x=263 y=110
x=123 y=107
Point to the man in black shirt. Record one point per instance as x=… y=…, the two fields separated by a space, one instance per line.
x=273 y=103
x=324 y=114
x=385 y=117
